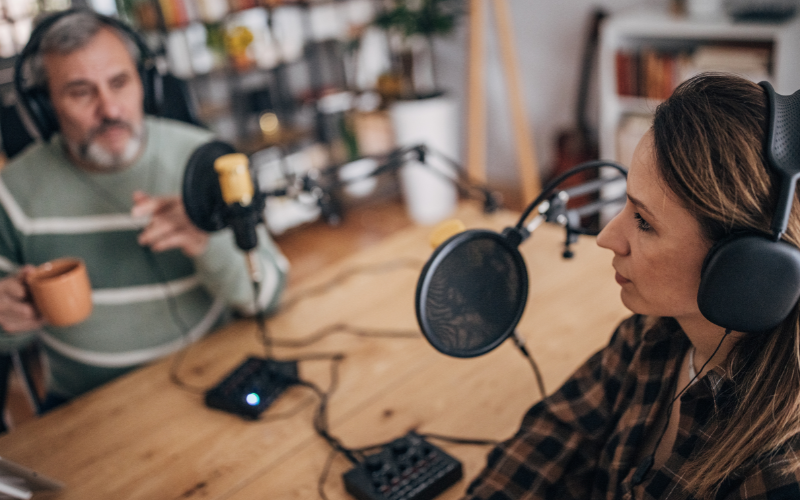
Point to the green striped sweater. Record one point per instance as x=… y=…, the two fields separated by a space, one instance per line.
x=52 y=209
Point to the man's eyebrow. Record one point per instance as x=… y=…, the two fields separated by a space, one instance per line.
x=638 y=204
x=76 y=83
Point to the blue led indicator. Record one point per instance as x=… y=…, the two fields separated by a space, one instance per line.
x=252 y=399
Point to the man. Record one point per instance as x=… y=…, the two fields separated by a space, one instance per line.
x=103 y=189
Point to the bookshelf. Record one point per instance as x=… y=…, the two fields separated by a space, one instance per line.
x=281 y=80
x=243 y=58
x=644 y=54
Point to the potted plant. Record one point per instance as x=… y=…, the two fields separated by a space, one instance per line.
x=420 y=111
x=412 y=26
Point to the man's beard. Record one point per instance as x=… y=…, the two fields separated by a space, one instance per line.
x=97 y=156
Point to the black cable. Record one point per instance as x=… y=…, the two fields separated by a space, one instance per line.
x=261 y=321
x=268 y=342
x=323 y=477
x=321 y=416
x=320 y=422
x=274 y=417
x=347 y=274
x=648 y=462
x=180 y=355
x=355 y=455
x=458 y=440
x=344 y=328
x=306 y=403
x=537 y=373
x=177 y=319
x=451 y=439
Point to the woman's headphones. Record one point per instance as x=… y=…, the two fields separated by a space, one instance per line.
x=751 y=282
x=35 y=98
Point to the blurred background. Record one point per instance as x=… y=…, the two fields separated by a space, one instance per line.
x=313 y=86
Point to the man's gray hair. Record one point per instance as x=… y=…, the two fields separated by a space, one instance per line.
x=70 y=33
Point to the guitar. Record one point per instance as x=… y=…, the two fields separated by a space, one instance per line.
x=578 y=145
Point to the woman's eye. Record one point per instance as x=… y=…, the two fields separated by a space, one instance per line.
x=641 y=224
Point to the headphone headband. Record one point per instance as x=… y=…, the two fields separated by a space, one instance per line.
x=783 y=150
x=35 y=100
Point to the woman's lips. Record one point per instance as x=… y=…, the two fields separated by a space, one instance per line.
x=621 y=279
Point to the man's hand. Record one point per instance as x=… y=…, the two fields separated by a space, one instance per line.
x=169 y=225
x=17 y=312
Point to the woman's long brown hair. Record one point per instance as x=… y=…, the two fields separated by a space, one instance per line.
x=710 y=150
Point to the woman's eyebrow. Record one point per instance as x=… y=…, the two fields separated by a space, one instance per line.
x=638 y=204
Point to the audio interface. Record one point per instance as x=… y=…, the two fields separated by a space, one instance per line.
x=408 y=468
x=252 y=387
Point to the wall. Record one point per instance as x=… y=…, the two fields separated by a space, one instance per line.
x=549 y=37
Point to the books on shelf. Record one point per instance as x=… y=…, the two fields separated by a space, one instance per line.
x=654 y=73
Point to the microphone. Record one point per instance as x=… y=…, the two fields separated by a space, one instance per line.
x=219 y=192
x=473 y=290
x=244 y=210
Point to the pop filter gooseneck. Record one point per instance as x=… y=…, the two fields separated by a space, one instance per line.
x=472 y=291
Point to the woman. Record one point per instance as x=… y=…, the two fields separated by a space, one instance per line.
x=675 y=406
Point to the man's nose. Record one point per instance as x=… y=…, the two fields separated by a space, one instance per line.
x=108 y=104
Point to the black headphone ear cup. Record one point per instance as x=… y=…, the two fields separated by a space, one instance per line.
x=41 y=111
x=749 y=283
x=151 y=83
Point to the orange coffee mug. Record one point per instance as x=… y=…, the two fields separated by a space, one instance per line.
x=61 y=291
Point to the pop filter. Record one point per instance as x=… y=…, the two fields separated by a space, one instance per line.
x=202 y=195
x=472 y=292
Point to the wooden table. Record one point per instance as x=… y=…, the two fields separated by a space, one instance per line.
x=143 y=437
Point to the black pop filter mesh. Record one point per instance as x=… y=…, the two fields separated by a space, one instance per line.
x=471 y=293
x=202 y=196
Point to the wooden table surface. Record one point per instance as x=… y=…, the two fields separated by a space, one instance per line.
x=144 y=437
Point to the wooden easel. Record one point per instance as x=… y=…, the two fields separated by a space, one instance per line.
x=476 y=99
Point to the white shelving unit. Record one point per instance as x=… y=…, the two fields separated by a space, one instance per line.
x=649 y=29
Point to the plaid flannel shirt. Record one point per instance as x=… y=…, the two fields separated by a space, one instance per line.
x=583 y=442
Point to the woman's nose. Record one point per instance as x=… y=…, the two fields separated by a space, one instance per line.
x=613 y=237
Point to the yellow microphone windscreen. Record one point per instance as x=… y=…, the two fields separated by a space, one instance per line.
x=445 y=230
x=234 y=178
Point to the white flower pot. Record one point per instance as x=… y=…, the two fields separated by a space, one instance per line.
x=429 y=191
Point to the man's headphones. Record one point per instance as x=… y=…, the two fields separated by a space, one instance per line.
x=35 y=98
x=751 y=282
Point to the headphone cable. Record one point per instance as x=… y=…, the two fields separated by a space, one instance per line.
x=647 y=464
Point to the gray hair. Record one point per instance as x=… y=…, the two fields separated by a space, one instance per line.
x=70 y=33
